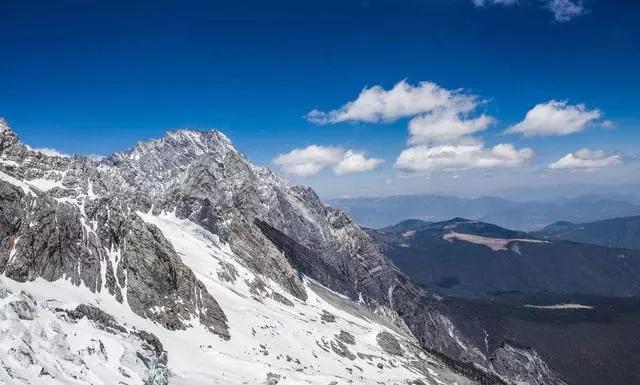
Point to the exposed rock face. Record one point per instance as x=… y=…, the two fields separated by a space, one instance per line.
x=389 y=343
x=77 y=218
x=382 y=286
x=96 y=240
x=522 y=366
x=95 y=314
x=346 y=337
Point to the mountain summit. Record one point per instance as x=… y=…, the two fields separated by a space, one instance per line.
x=179 y=261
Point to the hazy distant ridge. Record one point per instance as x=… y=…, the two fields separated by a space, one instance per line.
x=379 y=212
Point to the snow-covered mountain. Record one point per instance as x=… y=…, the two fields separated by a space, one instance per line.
x=180 y=262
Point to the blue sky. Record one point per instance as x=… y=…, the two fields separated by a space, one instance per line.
x=95 y=77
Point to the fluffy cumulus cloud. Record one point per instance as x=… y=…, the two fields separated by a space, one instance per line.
x=376 y=104
x=555 y=118
x=438 y=115
x=312 y=159
x=48 y=151
x=309 y=160
x=444 y=126
x=585 y=159
x=425 y=159
x=354 y=162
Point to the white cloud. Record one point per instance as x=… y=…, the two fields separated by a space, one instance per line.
x=565 y=10
x=482 y=3
x=354 y=162
x=585 y=159
x=608 y=124
x=48 y=151
x=555 y=118
x=562 y=10
x=376 y=104
x=438 y=115
x=425 y=159
x=444 y=126
x=312 y=159
x=309 y=160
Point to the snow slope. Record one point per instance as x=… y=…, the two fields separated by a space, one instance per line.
x=495 y=244
x=40 y=344
x=275 y=337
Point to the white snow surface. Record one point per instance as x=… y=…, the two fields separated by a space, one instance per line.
x=495 y=244
x=561 y=306
x=40 y=347
x=17 y=182
x=269 y=339
x=45 y=184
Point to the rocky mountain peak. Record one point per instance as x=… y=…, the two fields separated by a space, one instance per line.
x=175 y=224
x=4 y=125
x=185 y=143
x=7 y=137
x=156 y=164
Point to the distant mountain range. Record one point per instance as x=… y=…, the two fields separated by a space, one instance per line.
x=527 y=216
x=472 y=258
x=616 y=232
x=577 y=304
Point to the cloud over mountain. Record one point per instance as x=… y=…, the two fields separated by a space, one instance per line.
x=49 y=151
x=354 y=162
x=425 y=159
x=585 y=159
x=555 y=118
x=441 y=131
x=438 y=115
x=313 y=159
x=375 y=104
x=445 y=126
